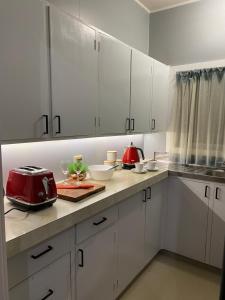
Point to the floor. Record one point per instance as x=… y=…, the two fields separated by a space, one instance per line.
x=172 y=278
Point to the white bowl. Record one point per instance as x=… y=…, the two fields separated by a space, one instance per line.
x=100 y=172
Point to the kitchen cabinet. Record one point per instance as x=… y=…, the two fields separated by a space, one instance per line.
x=114 y=86
x=160 y=96
x=24 y=84
x=53 y=282
x=131 y=239
x=74 y=73
x=153 y=223
x=141 y=92
x=95 y=266
x=218 y=226
x=69 y=6
x=187 y=217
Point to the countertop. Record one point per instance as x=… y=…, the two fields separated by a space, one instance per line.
x=25 y=230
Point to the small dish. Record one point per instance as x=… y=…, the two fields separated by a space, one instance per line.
x=136 y=172
x=153 y=170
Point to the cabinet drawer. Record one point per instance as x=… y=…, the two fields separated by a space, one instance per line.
x=53 y=282
x=29 y=262
x=95 y=224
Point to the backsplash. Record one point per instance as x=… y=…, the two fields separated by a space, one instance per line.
x=49 y=154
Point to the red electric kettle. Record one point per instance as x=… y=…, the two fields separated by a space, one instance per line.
x=131 y=156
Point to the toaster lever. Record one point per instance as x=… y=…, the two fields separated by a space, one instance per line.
x=45 y=182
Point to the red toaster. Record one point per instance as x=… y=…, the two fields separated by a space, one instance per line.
x=31 y=186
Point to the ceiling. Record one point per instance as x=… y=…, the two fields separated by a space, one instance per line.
x=156 y=5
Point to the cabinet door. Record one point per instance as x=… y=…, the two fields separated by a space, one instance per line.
x=188 y=205
x=160 y=97
x=154 y=206
x=131 y=244
x=96 y=267
x=69 y=6
x=141 y=92
x=114 y=81
x=74 y=76
x=218 y=227
x=24 y=86
x=53 y=282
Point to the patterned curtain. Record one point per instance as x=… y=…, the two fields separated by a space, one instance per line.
x=197 y=130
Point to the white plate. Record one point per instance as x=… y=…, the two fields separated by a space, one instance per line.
x=136 y=172
x=153 y=170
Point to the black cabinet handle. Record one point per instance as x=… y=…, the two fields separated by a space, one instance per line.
x=149 y=193
x=153 y=124
x=128 y=123
x=82 y=258
x=100 y=222
x=50 y=248
x=46 y=124
x=50 y=292
x=217 y=193
x=133 y=124
x=59 y=124
x=145 y=196
x=206 y=191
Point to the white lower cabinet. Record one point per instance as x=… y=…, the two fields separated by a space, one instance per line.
x=95 y=266
x=187 y=217
x=195 y=224
x=53 y=282
x=153 y=223
x=218 y=226
x=131 y=246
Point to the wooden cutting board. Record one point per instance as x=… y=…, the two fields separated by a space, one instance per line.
x=79 y=194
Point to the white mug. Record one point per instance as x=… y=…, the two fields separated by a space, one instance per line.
x=152 y=164
x=139 y=167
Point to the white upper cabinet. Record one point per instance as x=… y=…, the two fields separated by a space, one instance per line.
x=114 y=85
x=69 y=6
x=160 y=96
x=141 y=92
x=24 y=84
x=74 y=69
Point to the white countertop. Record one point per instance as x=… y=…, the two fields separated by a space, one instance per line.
x=24 y=230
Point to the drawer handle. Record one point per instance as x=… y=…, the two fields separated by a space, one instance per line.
x=206 y=191
x=100 y=222
x=145 y=196
x=46 y=124
x=133 y=126
x=50 y=292
x=149 y=193
x=217 y=193
x=82 y=258
x=59 y=124
x=153 y=124
x=50 y=248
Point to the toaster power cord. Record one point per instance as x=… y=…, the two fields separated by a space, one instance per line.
x=15 y=208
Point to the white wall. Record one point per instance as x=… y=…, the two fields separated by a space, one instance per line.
x=123 y=19
x=155 y=142
x=49 y=154
x=189 y=34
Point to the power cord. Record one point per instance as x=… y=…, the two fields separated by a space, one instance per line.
x=15 y=208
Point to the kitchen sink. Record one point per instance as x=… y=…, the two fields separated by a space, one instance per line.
x=213 y=172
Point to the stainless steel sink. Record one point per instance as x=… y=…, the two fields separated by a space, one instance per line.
x=213 y=172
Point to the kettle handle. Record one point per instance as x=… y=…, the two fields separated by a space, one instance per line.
x=142 y=153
